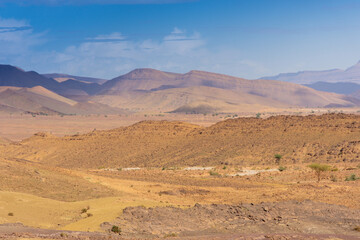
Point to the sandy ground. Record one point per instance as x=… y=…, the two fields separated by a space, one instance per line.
x=178 y=188
x=19 y=126
x=32 y=193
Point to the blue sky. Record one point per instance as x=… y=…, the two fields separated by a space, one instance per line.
x=245 y=38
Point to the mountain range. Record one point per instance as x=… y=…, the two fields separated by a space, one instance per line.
x=334 y=80
x=197 y=90
x=150 y=90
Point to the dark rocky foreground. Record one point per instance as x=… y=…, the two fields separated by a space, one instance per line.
x=291 y=220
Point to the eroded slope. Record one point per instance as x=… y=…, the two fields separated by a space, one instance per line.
x=242 y=141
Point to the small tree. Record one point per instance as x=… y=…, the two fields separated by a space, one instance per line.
x=319 y=168
x=277 y=158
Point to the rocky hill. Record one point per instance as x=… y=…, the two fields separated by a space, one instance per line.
x=242 y=141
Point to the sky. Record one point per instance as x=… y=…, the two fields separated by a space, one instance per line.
x=244 y=38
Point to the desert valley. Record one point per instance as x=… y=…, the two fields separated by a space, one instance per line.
x=179 y=119
x=229 y=153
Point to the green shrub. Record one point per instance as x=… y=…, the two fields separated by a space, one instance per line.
x=277 y=157
x=352 y=177
x=213 y=173
x=63 y=235
x=115 y=229
x=282 y=168
x=170 y=235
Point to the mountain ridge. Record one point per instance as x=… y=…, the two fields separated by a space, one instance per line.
x=149 y=90
x=39 y=100
x=350 y=74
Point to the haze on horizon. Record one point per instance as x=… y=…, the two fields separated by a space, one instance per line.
x=244 y=38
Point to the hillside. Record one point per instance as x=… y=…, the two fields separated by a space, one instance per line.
x=347 y=88
x=149 y=89
x=242 y=141
x=39 y=100
x=27 y=177
x=16 y=77
x=60 y=77
x=4 y=140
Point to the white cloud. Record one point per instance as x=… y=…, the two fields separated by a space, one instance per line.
x=110 y=55
x=16 y=38
x=113 y=54
x=177 y=31
x=110 y=37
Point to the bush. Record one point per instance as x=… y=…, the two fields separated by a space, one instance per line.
x=352 y=177
x=213 y=173
x=84 y=210
x=319 y=168
x=357 y=228
x=115 y=229
x=282 y=168
x=277 y=158
x=10 y=214
x=63 y=235
x=169 y=235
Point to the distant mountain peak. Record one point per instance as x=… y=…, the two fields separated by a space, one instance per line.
x=7 y=66
x=142 y=72
x=208 y=74
x=352 y=74
x=355 y=67
x=197 y=72
x=146 y=73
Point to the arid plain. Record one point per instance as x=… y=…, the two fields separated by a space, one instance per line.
x=198 y=178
